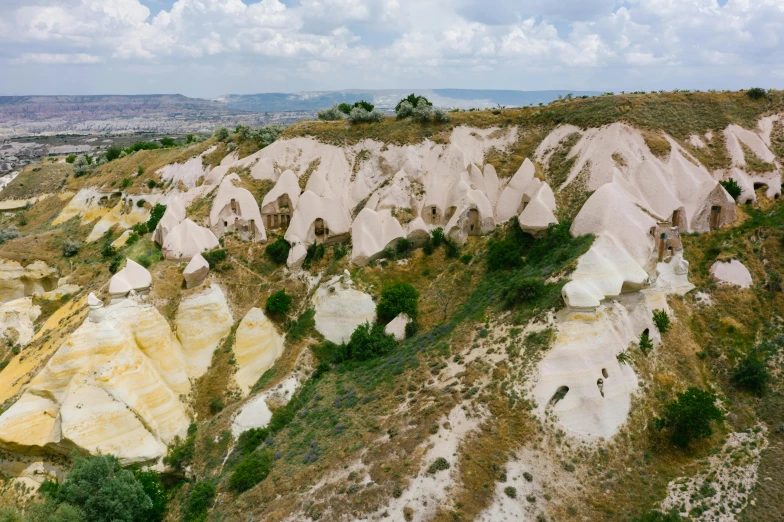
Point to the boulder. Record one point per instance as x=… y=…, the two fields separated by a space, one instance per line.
x=188 y=239
x=133 y=277
x=397 y=326
x=731 y=273
x=256 y=347
x=196 y=271
x=339 y=310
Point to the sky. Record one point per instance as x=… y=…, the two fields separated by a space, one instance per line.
x=206 y=48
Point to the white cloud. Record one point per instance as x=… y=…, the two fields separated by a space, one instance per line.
x=335 y=40
x=58 y=59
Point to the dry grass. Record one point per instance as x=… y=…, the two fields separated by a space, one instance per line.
x=44 y=177
x=657 y=143
x=754 y=163
x=678 y=114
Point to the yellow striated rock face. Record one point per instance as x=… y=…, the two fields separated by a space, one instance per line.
x=257 y=346
x=115 y=384
x=17 y=281
x=201 y=322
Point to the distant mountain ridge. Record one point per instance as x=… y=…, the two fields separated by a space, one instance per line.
x=388 y=98
x=96 y=114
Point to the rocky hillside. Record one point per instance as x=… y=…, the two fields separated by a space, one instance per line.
x=568 y=312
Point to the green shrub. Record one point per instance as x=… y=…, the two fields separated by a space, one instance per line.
x=108 y=251
x=507 y=253
x=360 y=115
x=216 y=405
x=278 y=251
x=333 y=113
x=441 y=116
x=752 y=374
x=253 y=468
x=439 y=464
x=658 y=516
x=70 y=158
x=215 y=257
x=661 y=320
x=403 y=247
x=406 y=106
x=142 y=145
x=510 y=491
x=314 y=254
x=200 y=499
x=278 y=304
x=689 y=417
x=153 y=487
x=181 y=451
x=397 y=298
x=304 y=325
x=112 y=153
x=523 y=290
x=105 y=491
x=646 y=345
x=251 y=439
x=71 y=247
x=151 y=184
x=732 y=188
x=156 y=214
x=168 y=142
x=367 y=342
x=140 y=170
x=756 y=93
x=221 y=133
x=115 y=264
x=437 y=237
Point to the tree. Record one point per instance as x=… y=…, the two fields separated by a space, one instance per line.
x=689 y=417
x=732 y=188
x=253 y=468
x=156 y=214
x=661 y=320
x=365 y=105
x=397 y=298
x=278 y=304
x=221 y=133
x=751 y=374
x=411 y=99
x=345 y=108
x=168 y=142
x=367 y=342
x=105 y=491
x=113 y=152
x=756 y=93
x=278 y=251
x=153 y=487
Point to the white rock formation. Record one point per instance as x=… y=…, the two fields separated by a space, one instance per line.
x=256 y=347
x=196 y=272
x=256 y=413
x=583 y=365
x=173 y=216
x=279 y=203
x=371 y=233
x=17 y=281
x=315 y=219
x=340 y=309
x=732 y=273
x=17 y=321
x=201 y=322
x=188 y=173
x=112 y=387
x=188 y=239
x=110 y=209
x=133 y=277
x=235 y=210
x=397 y=326
x=757 y=142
